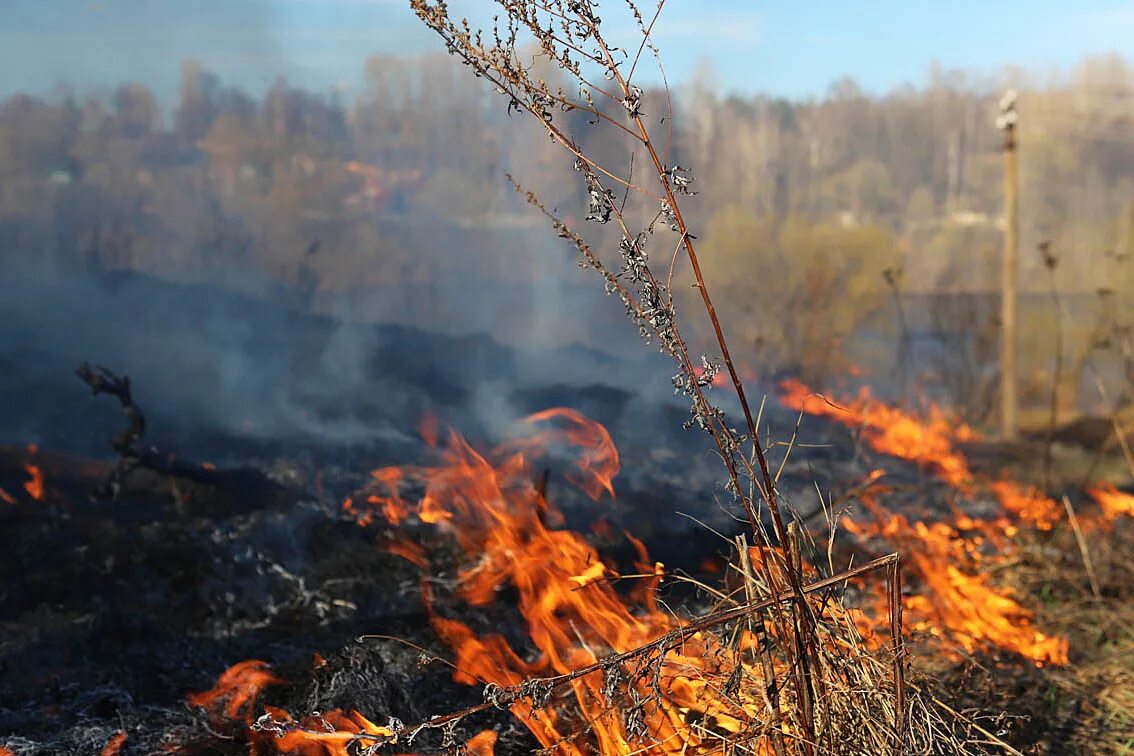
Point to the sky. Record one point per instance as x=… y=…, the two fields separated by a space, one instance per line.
x=788 y=48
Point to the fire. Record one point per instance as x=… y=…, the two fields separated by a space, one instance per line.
x=482 y=744
x=930 y=442
x=34 y=484
x=338 y=733
x=332 y=734
x=956 y=599
x=1027 y=505
x=409 y=551
x=595 y=572
x=1114 y=503
x=237 y=689
x=574 y=617
x=114 y=745
x=947 y=559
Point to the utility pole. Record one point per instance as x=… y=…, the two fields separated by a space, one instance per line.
x=1006 y=121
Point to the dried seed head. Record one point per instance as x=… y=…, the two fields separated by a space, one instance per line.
x=600 y=201
x=680 y=179
x=633 y=102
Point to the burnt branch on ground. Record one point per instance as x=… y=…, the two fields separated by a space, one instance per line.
x=131 y=458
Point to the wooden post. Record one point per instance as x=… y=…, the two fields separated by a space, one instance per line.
x=1006 y=122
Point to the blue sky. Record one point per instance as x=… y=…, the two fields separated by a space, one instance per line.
x=793 y=49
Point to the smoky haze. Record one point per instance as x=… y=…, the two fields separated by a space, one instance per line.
x=234 y=255
x=254 y=260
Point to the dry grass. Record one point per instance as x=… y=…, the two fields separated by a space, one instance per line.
x=786 y=666
x=858 y=711
x=1086 y=707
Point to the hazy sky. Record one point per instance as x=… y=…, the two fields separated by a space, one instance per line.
x=785 y=47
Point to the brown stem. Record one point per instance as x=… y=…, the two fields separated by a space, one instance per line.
x=803 y=630
x=664 y=644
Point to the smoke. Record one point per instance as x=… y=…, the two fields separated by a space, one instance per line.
x=210 y=363
x=282 y=267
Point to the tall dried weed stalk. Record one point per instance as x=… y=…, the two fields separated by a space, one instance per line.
x=822 y=692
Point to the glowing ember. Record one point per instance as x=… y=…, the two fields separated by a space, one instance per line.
x=363 y=517
x=1114 y=503
x=6 y=497
x=114 y=745
x=236 y=690
x=332 y=734
x=34 y=484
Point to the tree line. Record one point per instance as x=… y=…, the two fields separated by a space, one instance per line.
x=814 y=213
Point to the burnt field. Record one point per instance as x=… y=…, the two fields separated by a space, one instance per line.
x=520 y=397
x=229 y=540
x=266 y=525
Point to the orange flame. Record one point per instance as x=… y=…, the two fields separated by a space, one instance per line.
x=929 y=442
x=114 y=745
x=411 y=552
x=332 y=734
x=1114 y=503
x=34 y=484
x=338 y=733
x=1028 y=505
x=236 y=690
x=598 y=462
x=956 y=599
x=573 y=616
x=482 y=744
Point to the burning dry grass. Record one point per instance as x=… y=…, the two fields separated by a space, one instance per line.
x=604 y=668
x=988 y=584
x=774 y=663
x=235 y=693
x=951 y=558
x=1087 y=705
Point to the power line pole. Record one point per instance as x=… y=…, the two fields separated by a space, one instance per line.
x=1006 y=121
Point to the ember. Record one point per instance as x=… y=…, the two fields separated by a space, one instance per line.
x=34 y=484
x=114 y=746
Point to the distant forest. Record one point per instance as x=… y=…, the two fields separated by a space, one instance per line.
x=836 y=200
